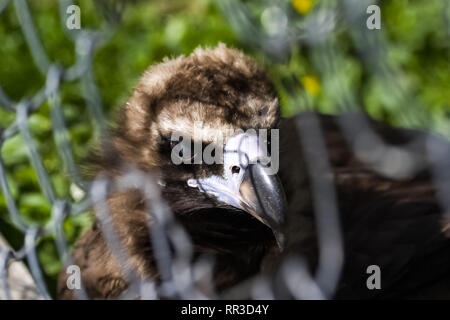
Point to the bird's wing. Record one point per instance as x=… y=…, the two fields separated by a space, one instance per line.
x=400 y=234
x=396 y=223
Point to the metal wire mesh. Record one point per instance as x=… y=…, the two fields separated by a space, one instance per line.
x=86 y=43
x=178 y=273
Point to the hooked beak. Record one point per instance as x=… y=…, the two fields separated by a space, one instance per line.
x=263 y=197
x=248 y=186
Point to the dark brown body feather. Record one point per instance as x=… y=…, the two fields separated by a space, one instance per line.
x=393 y=223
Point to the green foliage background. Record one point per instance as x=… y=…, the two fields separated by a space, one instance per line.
x=418 y=35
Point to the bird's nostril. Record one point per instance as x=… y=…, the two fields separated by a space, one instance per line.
x=235 y=170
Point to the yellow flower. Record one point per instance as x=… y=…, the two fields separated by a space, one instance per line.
x=303 y=6
x=311 y=84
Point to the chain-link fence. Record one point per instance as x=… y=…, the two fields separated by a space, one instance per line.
x=277 y=34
